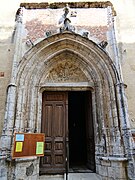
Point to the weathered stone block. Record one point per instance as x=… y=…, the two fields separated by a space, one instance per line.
x=3 y=169
x=115 y=172
x=118 y=164
x=106 y=163
x=103 y=170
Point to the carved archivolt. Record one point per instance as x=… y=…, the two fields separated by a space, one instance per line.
x=66 y=71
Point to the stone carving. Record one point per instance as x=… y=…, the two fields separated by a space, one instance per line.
x=103 y=44
x=85 y=34
x=48 y=33
x=66 y=72
x=65 y=21
x=29 y=43
x=29 y=170
x=19 y=14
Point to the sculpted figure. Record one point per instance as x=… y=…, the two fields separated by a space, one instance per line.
x=65 y=21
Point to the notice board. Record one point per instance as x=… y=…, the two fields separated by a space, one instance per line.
x=28 y=144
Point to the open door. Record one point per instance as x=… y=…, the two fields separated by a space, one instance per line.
x=54 y=118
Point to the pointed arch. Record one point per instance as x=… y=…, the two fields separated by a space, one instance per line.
x=64 y=55
x=92 y=61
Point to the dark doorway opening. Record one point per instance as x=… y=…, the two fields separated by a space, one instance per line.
x=80 y=129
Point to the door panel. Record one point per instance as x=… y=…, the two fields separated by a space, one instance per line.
x=90 y=134
x=59 y=123
x=54 y=126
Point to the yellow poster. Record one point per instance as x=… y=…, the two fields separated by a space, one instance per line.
x=19 y=146
x=40 y=148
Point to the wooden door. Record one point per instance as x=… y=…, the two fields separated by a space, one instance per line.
x=90 y=134
x=54 y=125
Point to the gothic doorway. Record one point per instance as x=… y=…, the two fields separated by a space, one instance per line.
x=67 y=117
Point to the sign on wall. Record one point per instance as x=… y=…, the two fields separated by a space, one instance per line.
x=28 y=144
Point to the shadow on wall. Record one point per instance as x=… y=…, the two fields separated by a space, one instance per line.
x=127 y=54
x=6 y=59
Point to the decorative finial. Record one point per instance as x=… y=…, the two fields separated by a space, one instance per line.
x=19 y=14
x=103 y=44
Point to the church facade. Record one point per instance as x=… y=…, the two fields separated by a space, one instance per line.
x=66 y=81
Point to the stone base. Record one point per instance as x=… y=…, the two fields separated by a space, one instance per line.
x=107 y=168
x=112 y=168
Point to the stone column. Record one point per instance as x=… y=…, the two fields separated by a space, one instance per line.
x=125 y=130
x=111 y=37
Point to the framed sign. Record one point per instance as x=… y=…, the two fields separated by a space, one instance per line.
x=28 y=144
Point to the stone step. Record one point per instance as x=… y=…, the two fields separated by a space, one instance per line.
x=51 y=177
x=83 y=176
x=72 y=176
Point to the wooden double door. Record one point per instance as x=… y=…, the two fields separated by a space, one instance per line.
x=68 y=127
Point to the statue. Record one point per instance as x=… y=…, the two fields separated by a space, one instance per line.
x=66 y=21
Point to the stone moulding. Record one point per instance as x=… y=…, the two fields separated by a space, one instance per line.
x=56 y=5
x=26 y=159
x=82 y=86
x=113 y=158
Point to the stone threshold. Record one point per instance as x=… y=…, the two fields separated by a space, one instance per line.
x=72 y=176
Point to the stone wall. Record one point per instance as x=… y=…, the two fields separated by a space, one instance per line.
x=7 y=24
x=40 y=21
x=125 y=28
